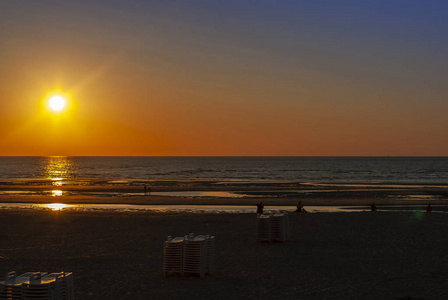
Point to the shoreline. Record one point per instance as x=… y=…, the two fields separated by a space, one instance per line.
x=219 y=192
x=164 y=200
x=210 y=209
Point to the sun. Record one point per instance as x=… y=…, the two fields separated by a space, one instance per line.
x=57 y=103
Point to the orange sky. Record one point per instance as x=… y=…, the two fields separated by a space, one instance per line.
x=164 y=81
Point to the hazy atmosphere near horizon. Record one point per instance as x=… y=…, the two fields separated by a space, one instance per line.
x=243 y=78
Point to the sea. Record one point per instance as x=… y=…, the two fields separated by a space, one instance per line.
x=418 y=170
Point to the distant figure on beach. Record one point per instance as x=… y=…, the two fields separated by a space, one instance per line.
x=373 y=207
x=147 y=190
x=299 y=207
x=260 y=208
x=429 y=208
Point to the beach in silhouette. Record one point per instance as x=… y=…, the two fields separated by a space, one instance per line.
x=117 y=255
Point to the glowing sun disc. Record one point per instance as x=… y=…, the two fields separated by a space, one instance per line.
x=57 y=103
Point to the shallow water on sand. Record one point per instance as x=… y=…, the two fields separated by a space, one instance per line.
x=411 y=195
x=174 y=208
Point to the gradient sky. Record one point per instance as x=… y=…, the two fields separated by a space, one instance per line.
x=225 y=77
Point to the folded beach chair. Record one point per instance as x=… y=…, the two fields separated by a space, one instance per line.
x=273 y=227
x=37 y=285
x=263 y=229
x=195 y=255
x=278 y=227
x=173 y=256
x=11 y=288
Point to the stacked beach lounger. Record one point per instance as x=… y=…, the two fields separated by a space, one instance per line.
x=189 y=255
x=173 y=255
x=273 y=227
x=194 y=259
x=37 y=285
x=11 y=288
x=263 y=228
x=210 y=254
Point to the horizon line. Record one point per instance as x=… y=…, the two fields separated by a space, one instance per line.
x=392 y=156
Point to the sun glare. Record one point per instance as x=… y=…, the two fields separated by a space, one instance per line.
x=55 y=193
x=56 y=206
x=57 y=103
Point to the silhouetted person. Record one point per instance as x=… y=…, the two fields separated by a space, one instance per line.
x=260 y=208
x=299 y=207
x=429 y=208
x=147 y=190
x=373 y=207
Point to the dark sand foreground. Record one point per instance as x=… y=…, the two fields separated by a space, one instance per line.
x=370 y=255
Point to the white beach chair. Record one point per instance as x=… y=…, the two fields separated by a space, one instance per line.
x=11 y=287
x=210 y=254
x=63 y=283
x=37 y=285
x=40 y=287
x=278 y=227
x=273 y=227
x=263 y=228
x=173 y=256
x=189 y=255
x=194 y=255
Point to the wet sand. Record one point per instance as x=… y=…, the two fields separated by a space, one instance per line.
x=369 y=255
x=241 y=193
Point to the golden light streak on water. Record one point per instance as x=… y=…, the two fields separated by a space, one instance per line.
x=58 y=168
x=56 y=193
x=56 y=181
x=55 y=206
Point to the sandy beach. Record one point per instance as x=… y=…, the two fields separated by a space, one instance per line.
x=118 y=255
x=178 y=192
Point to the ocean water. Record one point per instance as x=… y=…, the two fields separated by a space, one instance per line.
x=427 y=170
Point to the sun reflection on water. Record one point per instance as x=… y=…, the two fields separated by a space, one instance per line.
x=56 y=181
x=56 y=206
x=55 y=193
x=58 y=168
